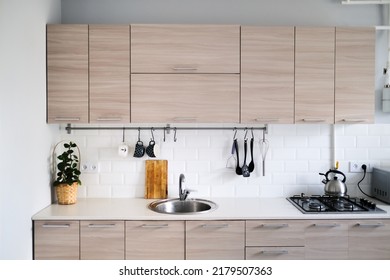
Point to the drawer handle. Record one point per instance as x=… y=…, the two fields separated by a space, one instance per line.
x=108 y=119
x=185 y=68
x=185 y=119
x=274 y=252
x=215 y=226
x=326 y=225
x=155 y=226
x=56 y=226
x=313 y=120
x=63 y=119
x=101 y=225
x=370 y=225
x=274 y=225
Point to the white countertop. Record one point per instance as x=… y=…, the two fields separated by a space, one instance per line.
x=228 y=209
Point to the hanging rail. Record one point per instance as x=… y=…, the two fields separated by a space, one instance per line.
x=167 y=128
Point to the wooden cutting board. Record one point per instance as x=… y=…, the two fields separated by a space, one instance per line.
x=156 y=179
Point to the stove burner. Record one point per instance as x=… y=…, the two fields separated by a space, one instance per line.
x=314 y=205
x=346 y=205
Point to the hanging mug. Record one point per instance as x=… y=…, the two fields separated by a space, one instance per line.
x=153 y=150
x=139 y=149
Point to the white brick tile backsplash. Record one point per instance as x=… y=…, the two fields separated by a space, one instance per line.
x=296 y=155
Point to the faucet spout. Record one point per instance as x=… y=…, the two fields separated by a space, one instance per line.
x=182 y=193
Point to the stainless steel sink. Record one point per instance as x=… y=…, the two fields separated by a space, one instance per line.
x=177 y=206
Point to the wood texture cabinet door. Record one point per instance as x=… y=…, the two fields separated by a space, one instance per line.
x=67 y=73
x=326 y=240
x=154 y=240
x=314 y=74
x=369 y=239
x=102 y=240
x=109 y=73
x=267 y=74
x=275 y=233
x=215 y=240
x=355 y=75
x=56 y=240
x=195 y=98
x=185 y=48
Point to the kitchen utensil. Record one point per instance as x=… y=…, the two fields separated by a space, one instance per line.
x=238 y=168
x=156 y=179
x=123 y=149
x=152 y=150
x=139 y=149
x=251 y=165
x=245 y=169
x=231 y=161
x=264 y=146
x=334 y=187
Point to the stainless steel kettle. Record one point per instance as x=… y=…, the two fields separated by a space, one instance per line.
x=334 y=186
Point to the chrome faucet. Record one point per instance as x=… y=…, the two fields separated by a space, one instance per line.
x=182 y=193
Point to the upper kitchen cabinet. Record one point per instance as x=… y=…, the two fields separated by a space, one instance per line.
x=194 y=98
x=67 y=73
x=355 y=75
x=267 y=74
x=109 y=73
x=185 y=49
x=314 y=75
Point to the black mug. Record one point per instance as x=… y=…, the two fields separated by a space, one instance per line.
x=139 y=149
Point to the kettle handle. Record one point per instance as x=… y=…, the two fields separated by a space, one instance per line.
x=335 y=172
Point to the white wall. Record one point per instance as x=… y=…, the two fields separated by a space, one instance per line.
x=25 y=137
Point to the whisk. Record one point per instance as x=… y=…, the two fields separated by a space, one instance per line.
x=264 y=146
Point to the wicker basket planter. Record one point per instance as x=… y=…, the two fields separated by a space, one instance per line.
x=67 y=194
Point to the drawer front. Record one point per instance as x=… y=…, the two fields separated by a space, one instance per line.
x=151 y=240
x=215 y=240
x=102 y=240
x=275 y=253
x=56 y=240
x=275 y=233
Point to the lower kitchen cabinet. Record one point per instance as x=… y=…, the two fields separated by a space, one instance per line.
x=215 y=240
x=154 y=240
x=102 y=240
x=56 y=240
x=326 y=240
x=369 y=239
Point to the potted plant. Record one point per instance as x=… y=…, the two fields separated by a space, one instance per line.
x=68 y=175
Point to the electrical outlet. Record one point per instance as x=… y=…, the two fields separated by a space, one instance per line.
x=89 y=167
x=356 y=166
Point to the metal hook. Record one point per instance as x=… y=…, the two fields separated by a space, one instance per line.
x=174 y=136
x=151 y=130
x=164 y=133
x=246 y=132
x=235 y=133
x=252 y=133
x=123 y=135
x=139 y=134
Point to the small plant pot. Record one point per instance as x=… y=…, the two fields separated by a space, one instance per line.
x=67 y=194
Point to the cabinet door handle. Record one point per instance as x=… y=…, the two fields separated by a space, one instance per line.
x=274 y=252
x=155 y=226
x=326 y=225
x=185 y=68
x=101 y=225
x=108 y=119
x=56 y=226
x=313 y=120
x=260 y=120
x=185 y=119
x=63 y=119
x=370 y=225
x=274 y=225
x=353 y=120
x=215 y=226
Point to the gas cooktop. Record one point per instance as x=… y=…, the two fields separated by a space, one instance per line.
x=332 y=204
